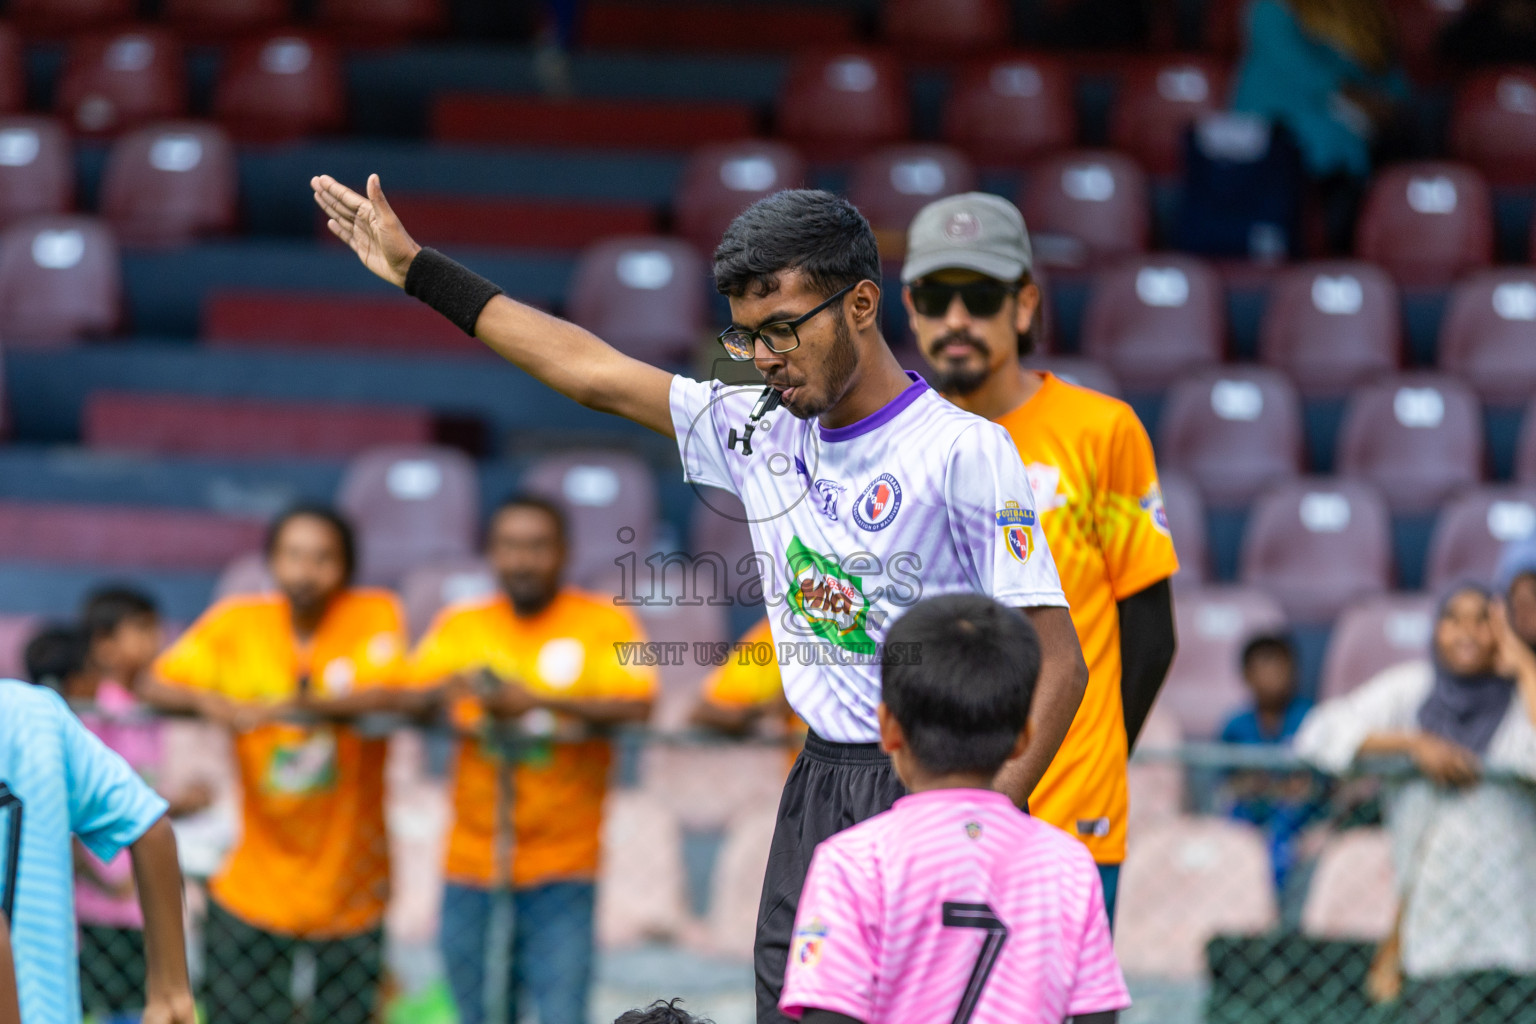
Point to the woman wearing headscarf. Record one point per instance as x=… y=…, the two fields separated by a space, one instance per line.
x=1464 y=831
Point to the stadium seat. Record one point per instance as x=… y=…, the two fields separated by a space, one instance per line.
x=411 y=505
x=516 y=223
x=375 y=22
x=1488 y=334
x=739 y=871
x=839 y=104
x=208 y=20
x=330 y=320
x=1427 y=223
x=890 y=186
x=123 y=536
x=497 y=119
x=676 y=623
x=59 y=280
x=13 y=72
x=707 y=786
x=171 y=182
x=1158 y=99
x=1235 y=430
x=1473 y=530
x=1353 y=893
x=66 y=17
x=1086 y=207
x=280 y=87
x=1375 y=634
x=1332 y=326
x=428 y=589
x=1493 y=124
x=606 y=495
x=722 y=179
x=645 y=295
x=1416 y=436
x=117 y=81
x=1153 y=319
x=1318 y=545
x=1011 y=109
x=247 y=574
x=1205 y=684
x=1077 y=370
x=692 y=25
x=37 y=168
x=928 y=29
x=418 y=812
x=1185 y=881
x=1186 y=521
x=16 y=631
x=717 y=525
x=641 y=890
x=1156 y=778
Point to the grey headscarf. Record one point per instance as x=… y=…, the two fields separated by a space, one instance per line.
x=1465 y=709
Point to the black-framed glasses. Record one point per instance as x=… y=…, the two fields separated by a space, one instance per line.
x=780 y=336
x=982 y=298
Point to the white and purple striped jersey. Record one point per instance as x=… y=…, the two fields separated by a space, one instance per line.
x=851 y=526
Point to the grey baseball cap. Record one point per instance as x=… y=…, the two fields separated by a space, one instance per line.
x=971 y=231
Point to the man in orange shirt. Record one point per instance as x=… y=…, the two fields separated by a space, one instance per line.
x=973 y=307
x=529 y=816
x=311 y=868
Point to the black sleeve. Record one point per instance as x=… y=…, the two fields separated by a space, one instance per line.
x=828 y=1017
x=1147 y=643
x=1107 y=1017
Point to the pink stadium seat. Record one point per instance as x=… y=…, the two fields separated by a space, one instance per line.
x=890 y=185
x=171 y=182
x=717 y=525
x=1352 y=894
x=838 y=104
x=1153 y=319
x=1375 y=634
x=1493 y=125
x=428 y=589
x=1416 y=436
x=63 y=17
x=280 y=87
x=1155 y=778
x=708 y=785
x=325 y=320
x=247 y=574
x=116 y=81
x=1473 y=530
x=224 y=19
x=1186 y=880
x=495 y=119
x=1086 y=207
x=13 y=72
x=1332 y=326
x=59 y=280
x=926 y=29
x=641 y=891
x=1186 y=521
x=1318 y=545
x=1236 y=430
x=739 y=870
x=678 y=624
x=1077 y=370
x=722 y=179
x=1011 y=109
x=15 y=633
x=37 y=168
x=517 y=223
x=411 y=505
x=122 y=535
x=1427 y=222
x=645 y=294
x=1160 y=97
x=1205 y=683
x=1488 y=335
x=607 y=495
x=383 y=21
x=714 y=27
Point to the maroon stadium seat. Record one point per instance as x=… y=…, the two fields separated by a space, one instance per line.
x=1472 y=533
x=1493 y=125
x=279 y=87
x=428 y=589
x=1077 y=370
x=64 y=17
x=1236 y=430
x=644 y=294
x=1488 y=334
x=890 y=185
x=838 y=104
x=16 y=631
x=927 y=29
x=1086 y=207
x=115 y=81
x=37 y=168
x=680 y=682
x=325 y=320
x=13 y=72
x=1011 y=109
x=1205 y=683
x=1331 y=326
x=1416 y=436
x=1158 y=99
x=722 y=179
x=717 y=525
x=247 y=574
x=59 y=280
x=692 y=25
x=122 y=535
x=1375 y=634
x=1186 y=521
x=412 y=505
x=1318 y=544
x=170 y=182
x=606 y=496
x=382 y=21
x=493 y=119
x=1152 y=319
x=224 y=19
x=516 y=223
x=1427 y=222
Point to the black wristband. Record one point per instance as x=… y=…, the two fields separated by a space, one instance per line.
x=450 y=288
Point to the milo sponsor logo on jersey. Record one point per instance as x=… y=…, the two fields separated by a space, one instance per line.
x=830 y=600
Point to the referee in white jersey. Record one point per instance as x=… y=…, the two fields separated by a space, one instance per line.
x=873 y=493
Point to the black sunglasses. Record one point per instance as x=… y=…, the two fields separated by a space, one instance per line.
x=981 y=298
x=780 y=336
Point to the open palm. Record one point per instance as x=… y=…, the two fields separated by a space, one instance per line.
x=368 y=225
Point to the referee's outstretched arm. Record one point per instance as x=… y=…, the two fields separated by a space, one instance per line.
x=573 y=361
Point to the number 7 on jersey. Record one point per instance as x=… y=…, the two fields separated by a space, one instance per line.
x=976 y=915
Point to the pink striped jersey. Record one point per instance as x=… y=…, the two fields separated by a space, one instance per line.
x=953 y=906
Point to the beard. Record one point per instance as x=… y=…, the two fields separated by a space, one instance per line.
x=953 y=377
x=837 y=370
x=528 y=593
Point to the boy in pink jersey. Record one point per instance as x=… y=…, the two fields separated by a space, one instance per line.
x=953 y=906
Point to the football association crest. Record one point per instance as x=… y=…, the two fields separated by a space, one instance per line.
x=1017 y=525
x=878 y=504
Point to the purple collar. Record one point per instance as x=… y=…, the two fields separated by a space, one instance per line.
x=881 y=416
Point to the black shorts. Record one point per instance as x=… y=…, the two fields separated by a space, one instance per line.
x=831 y=786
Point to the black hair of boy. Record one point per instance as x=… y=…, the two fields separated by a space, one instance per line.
x=959 y=674
x=662 y=1011
x=55 y=655
x=1268 y=645
x=107 y=608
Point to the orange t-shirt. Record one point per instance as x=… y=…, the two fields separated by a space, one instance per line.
x=1094 y=478
x=566 y=651
x=743 y=682
x=313 y=856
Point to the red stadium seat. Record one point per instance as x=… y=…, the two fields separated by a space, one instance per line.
x=491 y=119
x=890 y=185
x=412 y=505
x=1205 y=683
x=606 y=496
x=280 y=87
x=1158 y=99
x=1235 y=430
x=1427 y=222
x=170 y=182
x=1332 y=326
x=116 y=81
x=37 y=168
x=59 y=280
x=1318 y=545
x=1352 y=894
x=644 y=294
x=1488 y=334
x=428 y=589
x=837 y=105
x=224 y=19
x=517 y=223
x=1417 y=436
x=16 y=631
x=1011 y=109
x=325 y=320
x=1493 y=125
x=944 y=28
x=66 y=17
x=1086 y=207
x=722 y=179
x=715 y=27
x=123 y=536
x=13 y=72
x=1152 y=319
x=382 y=21
x=1473 y=530
x=1375 y=634
x=1185 y=509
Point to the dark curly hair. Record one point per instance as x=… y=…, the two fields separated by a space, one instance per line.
x=821 y=235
